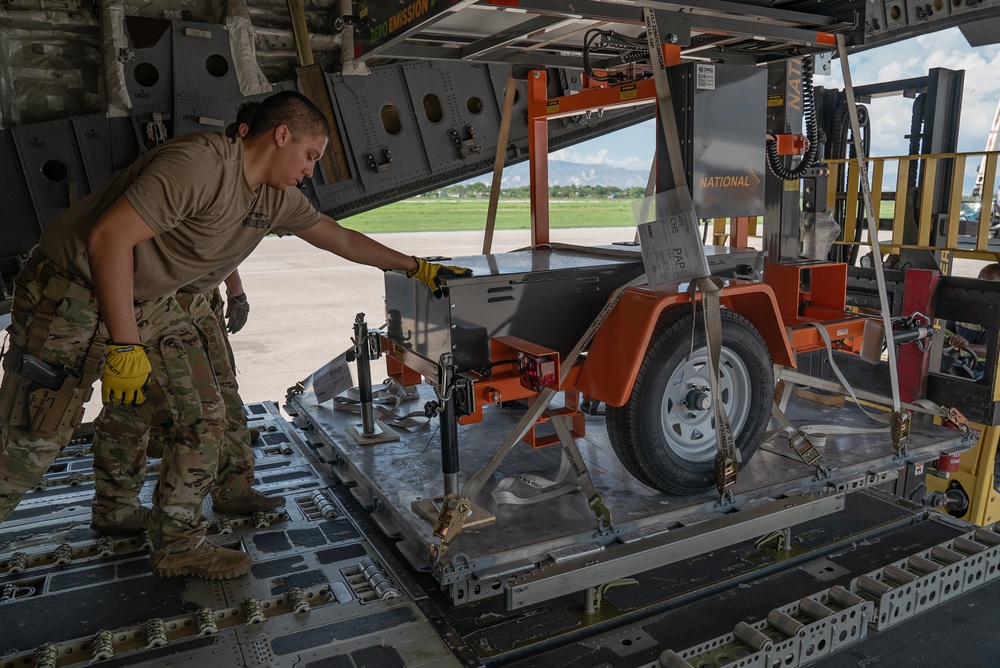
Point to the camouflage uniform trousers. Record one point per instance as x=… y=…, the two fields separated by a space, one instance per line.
x=36 y=423
x=124 y=435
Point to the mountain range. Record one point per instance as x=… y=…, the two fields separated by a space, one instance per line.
x=570 y=174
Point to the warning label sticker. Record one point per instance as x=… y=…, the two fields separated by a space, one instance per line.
x=704 y=76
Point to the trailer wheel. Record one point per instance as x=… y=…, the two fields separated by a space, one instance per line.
x=665 y=433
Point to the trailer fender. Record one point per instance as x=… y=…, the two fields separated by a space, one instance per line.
x=620 y=344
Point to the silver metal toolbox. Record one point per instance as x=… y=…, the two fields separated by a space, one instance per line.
x=547 y=297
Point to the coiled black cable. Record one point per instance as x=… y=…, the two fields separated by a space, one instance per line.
x=774 y=161
x=632 y=49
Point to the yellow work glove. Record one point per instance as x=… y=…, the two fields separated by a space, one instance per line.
x=126 y=374
x=430 y=273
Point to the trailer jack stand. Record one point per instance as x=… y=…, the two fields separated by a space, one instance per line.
x=366 y=347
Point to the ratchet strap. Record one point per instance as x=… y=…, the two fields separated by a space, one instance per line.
x=727 y=461
x=543 y=487
x=900 y=419
x=391 y=394
x=505 y=115
x=664 y=101
x=572 y=453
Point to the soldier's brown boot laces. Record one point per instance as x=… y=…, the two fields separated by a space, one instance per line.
x=134 y=523
x=248 y=502
x=207 y=560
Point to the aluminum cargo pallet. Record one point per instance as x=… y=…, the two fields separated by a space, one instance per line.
x=561 y=533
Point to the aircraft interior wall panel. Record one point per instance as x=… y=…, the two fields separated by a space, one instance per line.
x=455 y=112
x=124 y=144
x=519 y=115
x=20 y=226
x=383 y=128
x=890 y=20
x=53 y=167
x=93 y=135
x=206 y=91
x=362 y=194
x=149 y=76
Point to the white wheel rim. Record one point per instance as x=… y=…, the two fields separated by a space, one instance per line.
x=688 y=427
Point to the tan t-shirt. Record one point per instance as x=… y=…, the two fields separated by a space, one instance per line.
x=192 y=192
x=214 y=279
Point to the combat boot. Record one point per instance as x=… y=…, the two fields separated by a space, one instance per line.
x=248 y=502
x=135 y=522
x=207 y=560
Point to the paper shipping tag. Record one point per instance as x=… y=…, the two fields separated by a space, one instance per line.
x=332 y=379
x=672 y=249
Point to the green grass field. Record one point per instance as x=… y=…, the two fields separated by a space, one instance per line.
x=449 y=214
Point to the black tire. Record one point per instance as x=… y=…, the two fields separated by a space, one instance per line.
x=670 y=447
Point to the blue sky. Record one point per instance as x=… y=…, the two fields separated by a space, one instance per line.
x=633 y=147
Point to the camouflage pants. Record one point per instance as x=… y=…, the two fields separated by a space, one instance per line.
x=36 y=423
x=123 y=435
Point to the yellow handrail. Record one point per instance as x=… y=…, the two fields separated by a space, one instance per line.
x=930 y=164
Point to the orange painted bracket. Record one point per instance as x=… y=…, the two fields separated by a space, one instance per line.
x=846 y=335
x=541 y=107
x=508 y=347
x=818 y=285
x=577 y=427
x=815 y=292
x=505 y=382
x=791 y=144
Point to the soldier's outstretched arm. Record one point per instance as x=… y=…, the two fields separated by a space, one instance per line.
x=109 y=247
x=329 y=235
